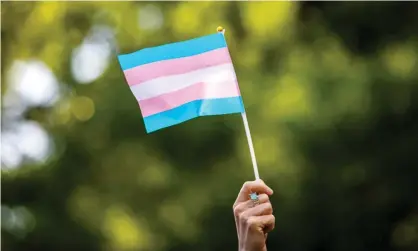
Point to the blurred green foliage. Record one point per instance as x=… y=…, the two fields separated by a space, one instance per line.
x=331 y=96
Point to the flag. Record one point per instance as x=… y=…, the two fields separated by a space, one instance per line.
x=180 y=81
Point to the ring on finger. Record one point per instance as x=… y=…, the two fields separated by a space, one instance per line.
x=254 y=199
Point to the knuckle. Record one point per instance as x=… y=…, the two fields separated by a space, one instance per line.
x=236 y=211
x=243 y=217
x=269 y=208
x=263 y=197
x=247 y=185
x=251 y=221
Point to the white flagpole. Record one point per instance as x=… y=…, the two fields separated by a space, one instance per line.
x=250 y=145
x=247 y=129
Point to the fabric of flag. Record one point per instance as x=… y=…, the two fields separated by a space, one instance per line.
x=177 y=82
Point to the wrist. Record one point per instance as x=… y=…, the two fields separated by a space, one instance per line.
x=251 y=249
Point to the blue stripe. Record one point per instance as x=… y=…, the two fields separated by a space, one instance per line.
x=171 y=51
x=206 y=107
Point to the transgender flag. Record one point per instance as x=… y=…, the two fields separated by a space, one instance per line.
x=177 y=82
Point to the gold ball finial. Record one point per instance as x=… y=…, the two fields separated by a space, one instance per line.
x=220 y=29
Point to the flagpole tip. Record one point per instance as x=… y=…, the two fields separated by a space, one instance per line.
x=220 y=29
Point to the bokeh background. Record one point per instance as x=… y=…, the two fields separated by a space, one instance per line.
x=331 y=91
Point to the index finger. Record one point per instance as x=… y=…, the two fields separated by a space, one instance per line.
x=257 y=186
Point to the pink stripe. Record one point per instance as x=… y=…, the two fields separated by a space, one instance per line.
x=150 y=71
x=191 y=93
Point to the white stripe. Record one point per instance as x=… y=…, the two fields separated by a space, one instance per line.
x=158 y=86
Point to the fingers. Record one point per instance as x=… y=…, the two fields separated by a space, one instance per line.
x=262 y=209
x=254 y=217
x=257 y=186
x=241 y=207
x=265 y=223
x=244 y=211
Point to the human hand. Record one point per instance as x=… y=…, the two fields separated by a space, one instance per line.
x=253 y=219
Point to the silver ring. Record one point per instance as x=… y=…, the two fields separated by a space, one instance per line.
x=254 y=198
